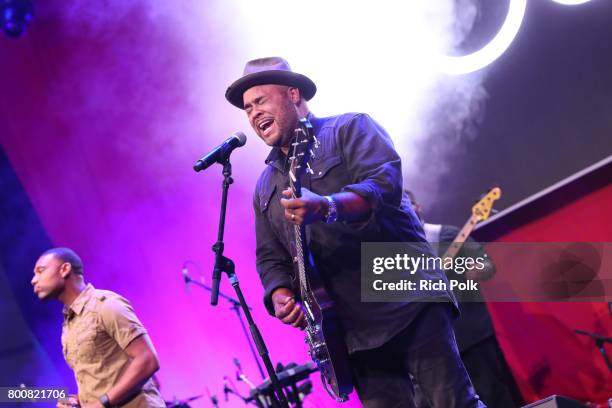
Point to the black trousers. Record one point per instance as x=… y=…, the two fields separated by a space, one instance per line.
x=491 y=375
x=425 y=351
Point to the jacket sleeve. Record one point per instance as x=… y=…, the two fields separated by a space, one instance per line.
x=373 y=162
x=274 y=264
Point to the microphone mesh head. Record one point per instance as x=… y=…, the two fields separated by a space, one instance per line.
x=241 y=138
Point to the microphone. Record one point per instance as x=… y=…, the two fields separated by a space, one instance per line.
x=186 y=277
x=222 y=152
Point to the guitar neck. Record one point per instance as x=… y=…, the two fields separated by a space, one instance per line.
x=461 y=237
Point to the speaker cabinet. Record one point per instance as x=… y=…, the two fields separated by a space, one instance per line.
x=556 y=401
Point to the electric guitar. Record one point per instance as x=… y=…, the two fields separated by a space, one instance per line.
x=480 y=212
x=323 y=334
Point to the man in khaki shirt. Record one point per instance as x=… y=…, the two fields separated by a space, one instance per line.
x=103 y=341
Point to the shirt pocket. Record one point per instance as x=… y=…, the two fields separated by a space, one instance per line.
x=322 y=167
x=265 y=196
x=86 y=344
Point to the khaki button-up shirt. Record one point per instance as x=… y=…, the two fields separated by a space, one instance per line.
x=97 y=328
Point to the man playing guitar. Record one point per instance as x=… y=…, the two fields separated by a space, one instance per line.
x=351 y=194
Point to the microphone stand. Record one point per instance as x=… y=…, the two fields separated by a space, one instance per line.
x=226 y=265
x=599 y=342
x=236 y=308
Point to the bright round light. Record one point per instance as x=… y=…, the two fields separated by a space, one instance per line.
x=570 y=2
x=479 y=59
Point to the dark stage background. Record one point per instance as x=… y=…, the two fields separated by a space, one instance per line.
x=548 y=115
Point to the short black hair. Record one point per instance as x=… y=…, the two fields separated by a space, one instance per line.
x=67 y=255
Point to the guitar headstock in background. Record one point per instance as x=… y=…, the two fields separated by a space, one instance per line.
x=482 y=209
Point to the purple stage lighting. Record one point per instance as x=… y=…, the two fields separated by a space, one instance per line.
x=16 y=15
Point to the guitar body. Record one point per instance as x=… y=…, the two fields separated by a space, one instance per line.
x=323 y=331
x=325 y=338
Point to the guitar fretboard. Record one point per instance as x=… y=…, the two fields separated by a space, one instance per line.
x=461 y=237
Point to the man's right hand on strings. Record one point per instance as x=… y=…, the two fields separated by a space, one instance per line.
x=286 y=309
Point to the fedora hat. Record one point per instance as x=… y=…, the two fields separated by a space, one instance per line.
x=264 y=71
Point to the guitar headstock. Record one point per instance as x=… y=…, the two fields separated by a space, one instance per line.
x=300 y=154
x=482 y=209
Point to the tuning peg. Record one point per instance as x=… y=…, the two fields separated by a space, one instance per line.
x=309 y=169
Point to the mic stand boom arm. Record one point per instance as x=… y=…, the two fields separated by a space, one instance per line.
x=599 y=342
x=236 y=308
x=226 y=265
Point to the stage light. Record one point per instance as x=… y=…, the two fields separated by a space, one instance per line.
x=16 y=15
x=571 y=2
x=453 y=65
